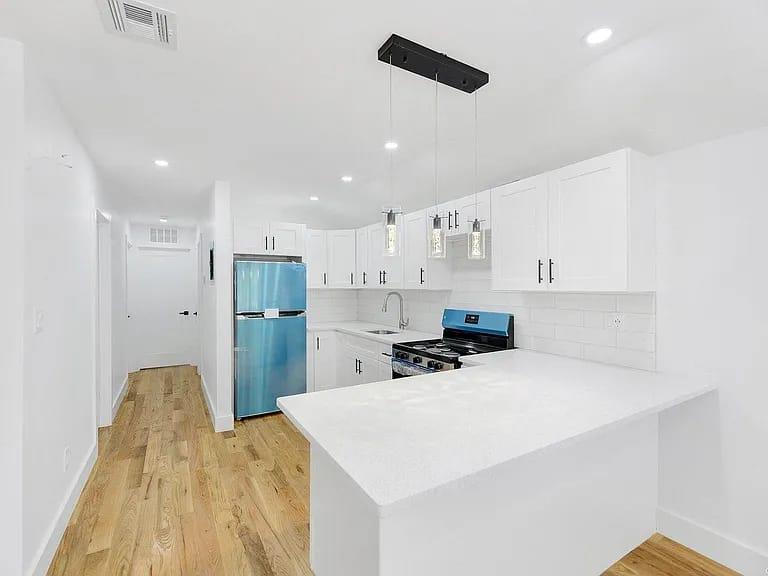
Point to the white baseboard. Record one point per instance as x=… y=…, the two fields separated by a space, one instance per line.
x=44 y=556
x=736 y=555
x=220 y=423
x=119 y=399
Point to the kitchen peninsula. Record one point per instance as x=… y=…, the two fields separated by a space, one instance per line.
x=486 y=469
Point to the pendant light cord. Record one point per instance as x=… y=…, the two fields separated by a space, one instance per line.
x=391 y=139
x=476 y=161
x=437 y=119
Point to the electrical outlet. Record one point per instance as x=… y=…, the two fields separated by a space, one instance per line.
x=67 y=458
x=37 y=320
x=615 y=321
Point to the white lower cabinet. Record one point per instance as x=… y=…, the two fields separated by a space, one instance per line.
x=338 y=360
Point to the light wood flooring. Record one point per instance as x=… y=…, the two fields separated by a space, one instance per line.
x=169 y=496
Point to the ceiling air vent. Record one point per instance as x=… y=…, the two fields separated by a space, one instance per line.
x=139 y=20
x=164 y=235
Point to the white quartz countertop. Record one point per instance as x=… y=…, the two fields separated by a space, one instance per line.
x=356 y=328
x=403 y=437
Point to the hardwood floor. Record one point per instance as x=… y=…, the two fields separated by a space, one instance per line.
x=169 y=496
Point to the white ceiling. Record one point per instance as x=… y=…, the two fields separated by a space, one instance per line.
x=282 y=98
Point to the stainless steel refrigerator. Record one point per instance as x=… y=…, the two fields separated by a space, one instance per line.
x=270 y=334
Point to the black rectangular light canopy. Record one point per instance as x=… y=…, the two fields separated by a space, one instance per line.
x=426 y=62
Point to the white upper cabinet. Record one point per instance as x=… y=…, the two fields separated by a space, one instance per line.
x=341 y=258
x=362 y=274
x=519 y=243
x=269 y=238
x=317 y=259
x=419 y=271
x=287 y=239
x=330 y=258
x=591 y=224
x=464 y=210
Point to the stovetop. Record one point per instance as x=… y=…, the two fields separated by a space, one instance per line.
x=447 y=349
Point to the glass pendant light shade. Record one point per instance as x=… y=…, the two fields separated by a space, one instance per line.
x=476 y=241
x=391 y=234
x=436 y=237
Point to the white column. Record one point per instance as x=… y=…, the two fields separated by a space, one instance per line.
x=222 y=202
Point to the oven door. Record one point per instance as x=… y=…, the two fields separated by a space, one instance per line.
x=401 y=369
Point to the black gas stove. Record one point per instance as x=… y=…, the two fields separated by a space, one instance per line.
x=464 y=333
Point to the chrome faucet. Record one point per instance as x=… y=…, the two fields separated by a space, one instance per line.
x=403 y=322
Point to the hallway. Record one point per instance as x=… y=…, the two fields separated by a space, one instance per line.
x=169 y=496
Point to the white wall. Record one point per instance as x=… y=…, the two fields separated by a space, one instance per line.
x=60 y=292
x=216 y=309
x=573 y=324
x=119 y=231
x=712 y=319
x=11 y=302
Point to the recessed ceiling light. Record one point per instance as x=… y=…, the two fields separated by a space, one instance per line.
x=161 y=163
x=346 y=178
x=598 y=36
x=314 y=198
x=163 y=219
x=391 y=145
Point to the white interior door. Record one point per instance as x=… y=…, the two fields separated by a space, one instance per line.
x=162 y=307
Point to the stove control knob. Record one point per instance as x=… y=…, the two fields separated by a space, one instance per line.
x=431 y=364
x=401 y=355
x=438 y=366
x=416 y=360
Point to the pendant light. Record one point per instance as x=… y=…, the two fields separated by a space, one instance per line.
x=391 y=211
x=436 y=227
x=476 y=233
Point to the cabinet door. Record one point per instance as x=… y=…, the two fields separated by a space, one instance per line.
x=362 y=272
x=415 y=250
x=384 y=371
x=519 y=244
x=286 y=239
x=326 y=361
x=391 y=266
x=375 y=258
x=347 y=367
x=588 y=224
x=251 y=237
x=465 y=211
x=317 y=255
x=368 y=370
x=341 y=258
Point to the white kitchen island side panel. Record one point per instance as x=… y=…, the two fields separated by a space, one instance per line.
x=593 y=499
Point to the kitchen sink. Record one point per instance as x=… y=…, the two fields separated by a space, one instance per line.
x=382 y=332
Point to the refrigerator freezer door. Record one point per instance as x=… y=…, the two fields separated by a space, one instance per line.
x=263 y=285
x=270 y=362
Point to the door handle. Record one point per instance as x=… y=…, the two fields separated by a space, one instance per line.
x=551 y=276
x=421 y=277
x=185 y=313
x=194 y=313
x=540 y=265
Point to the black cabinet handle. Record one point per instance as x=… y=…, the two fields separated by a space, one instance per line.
x=421 y=276
x=380 y=282
x=318 y=342
x=266 y=242
x=357 y=366
x=449 y=220
x=273 y=243
x=551 y=276
x=185 y=313
x=385 y=276
x=325 y=278
x=352 y=278
x=540 y=277
x=456 y=219
x=360 y=370
x=365 y=278
x=194 y=313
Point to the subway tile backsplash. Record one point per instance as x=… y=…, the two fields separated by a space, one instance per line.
x=612 y=328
